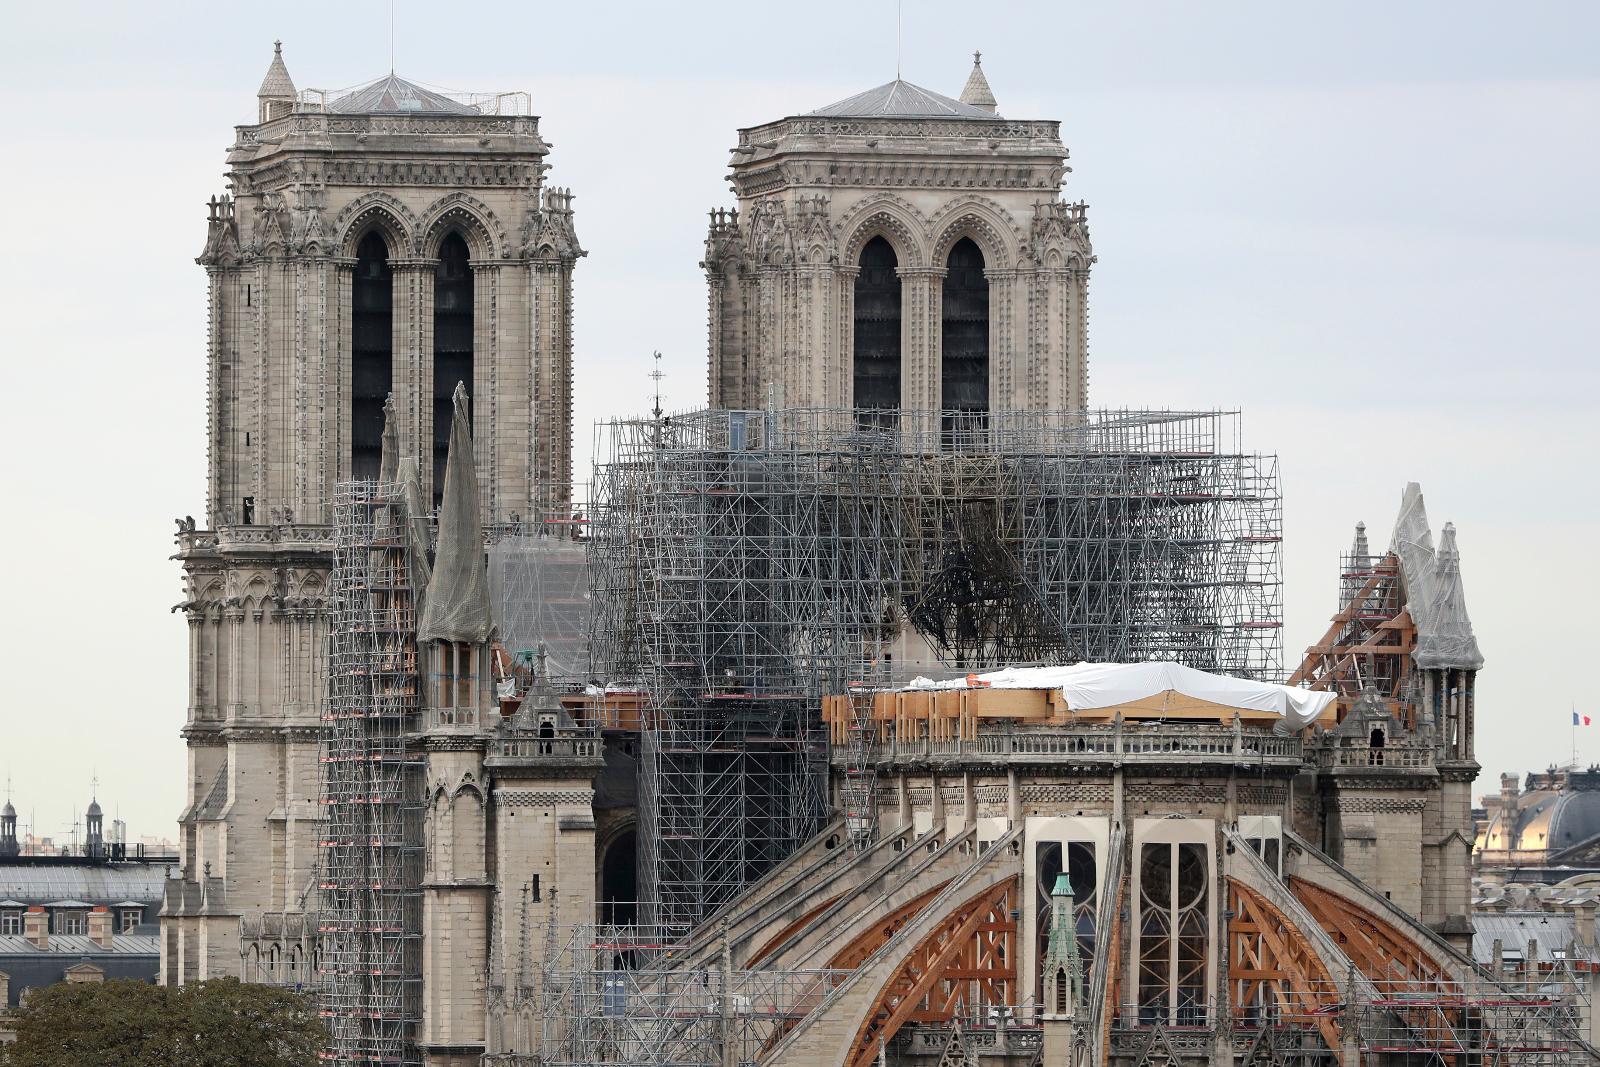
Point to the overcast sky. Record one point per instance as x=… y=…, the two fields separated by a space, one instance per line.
x=1370 y=227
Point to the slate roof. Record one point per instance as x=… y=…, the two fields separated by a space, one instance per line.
x=82 y=945
x=902 y=100
x=1553 y=931
x=977 y=92
x=29 y=884
x=393 y=95
x=277 y=84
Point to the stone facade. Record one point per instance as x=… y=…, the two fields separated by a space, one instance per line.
x=922 y=172
x=443 y=208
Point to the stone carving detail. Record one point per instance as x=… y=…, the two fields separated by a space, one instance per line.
x=771 y=243
x=985 y=222
x=395 y=215
x=547 y=232
x=893 y=216
x=528 y=798
x=1059 y=236
x=468 y=214
x=1377 y=805
x=222 y=239
x=1066 y=795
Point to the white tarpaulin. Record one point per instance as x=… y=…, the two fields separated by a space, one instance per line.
x=1087 y=686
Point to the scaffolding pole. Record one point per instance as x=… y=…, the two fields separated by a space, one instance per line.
x=743 y=564
x=369 y=833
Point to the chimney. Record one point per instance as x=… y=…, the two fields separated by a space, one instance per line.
x=36 y=927
x=100 y=926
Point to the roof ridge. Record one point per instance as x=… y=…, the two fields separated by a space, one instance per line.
x=901 y=99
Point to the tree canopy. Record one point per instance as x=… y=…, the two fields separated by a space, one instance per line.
x=218 y=1023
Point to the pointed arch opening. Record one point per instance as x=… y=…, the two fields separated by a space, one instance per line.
x=964 y=355
x=452 y=344
x=876 y=377
x=619 y=879
x=371 y=353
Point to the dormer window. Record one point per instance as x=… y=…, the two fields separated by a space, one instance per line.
x=128 y=918
x=70 y=922
x=10 y=921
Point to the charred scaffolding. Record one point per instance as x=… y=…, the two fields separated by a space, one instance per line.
x=745 y=563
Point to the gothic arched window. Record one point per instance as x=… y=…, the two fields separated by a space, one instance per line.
x=452 y=344
x=964 y=359
x=877 y=332
x=1174 y=935
x=371 y=353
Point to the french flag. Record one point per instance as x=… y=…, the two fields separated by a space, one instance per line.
x=1581 y=720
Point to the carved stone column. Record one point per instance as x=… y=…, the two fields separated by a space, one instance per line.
x=413 y=360
x=233 y=613
x=921 y=302
x=335 y=458
x=486 y=383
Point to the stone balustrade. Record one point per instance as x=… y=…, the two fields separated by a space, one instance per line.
x=545 y=751
x=1114 y=745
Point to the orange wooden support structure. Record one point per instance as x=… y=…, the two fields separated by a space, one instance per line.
x=969 y=960
x=1268 y=957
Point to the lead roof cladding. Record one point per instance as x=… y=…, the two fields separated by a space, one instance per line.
x=97 y=885
x=393 y=95
x=902 y=100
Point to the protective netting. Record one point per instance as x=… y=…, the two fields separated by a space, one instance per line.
x=1434 y=593
x=457 y=603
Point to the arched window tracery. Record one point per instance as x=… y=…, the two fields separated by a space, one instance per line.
x=876 y=363
x=371 y=353
x=453 y=326
x=1174 y=934
x=964 y=345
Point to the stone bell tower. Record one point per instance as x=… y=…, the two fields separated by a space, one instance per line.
x=391 y=239
x=900 y=250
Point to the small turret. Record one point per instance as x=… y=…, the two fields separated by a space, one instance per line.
x=8 y=831
x=977 y=91
x=276 y=96
x=94 y=837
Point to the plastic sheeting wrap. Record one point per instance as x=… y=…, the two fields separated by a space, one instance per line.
x=419 y=534
x=1088 y=686
x=1434 y=592
x=457 y=605
x=542 y=588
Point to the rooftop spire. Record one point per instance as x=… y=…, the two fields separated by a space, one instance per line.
x=977 y=91
x=276 y=95
x=457 y=605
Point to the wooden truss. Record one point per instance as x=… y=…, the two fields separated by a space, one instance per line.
x=1270 y=962
x=871 y=940
x=1377 y=948
x=1426 y=1006
x=968 y=961
x=1369 y=642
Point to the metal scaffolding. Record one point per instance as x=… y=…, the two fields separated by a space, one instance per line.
x=612 y=997
x=1484 y=1020
x=540 y=578
x=369 y=846
x=745 y=563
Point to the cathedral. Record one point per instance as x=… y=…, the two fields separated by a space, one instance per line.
x=923 y=714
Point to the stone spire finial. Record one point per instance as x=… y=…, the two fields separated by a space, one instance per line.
x=276 y=95
x=1063 y=966
x=977 y=91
